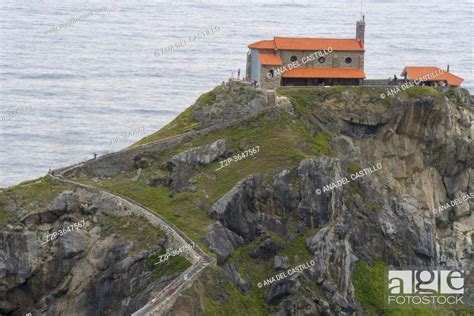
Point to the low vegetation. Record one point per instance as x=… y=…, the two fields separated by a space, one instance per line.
x=416 y=92
x=369 y=284
x=171 y=267
x=453 y=95
x=131 y=228
x=305 y=99
x=31 y=195
x=223 y=298
x=6 y=216
x=353 y=168
x=184 y=122
x=258 y=270
x=28 y=196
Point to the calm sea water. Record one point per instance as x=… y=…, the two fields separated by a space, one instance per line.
x=76 y=90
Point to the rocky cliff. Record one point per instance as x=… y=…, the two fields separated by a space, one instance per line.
x=344 y=186
x=77 y=253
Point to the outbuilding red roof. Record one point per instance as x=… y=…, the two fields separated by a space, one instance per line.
x=432 y=74
x=317 y=72
x=303 y=43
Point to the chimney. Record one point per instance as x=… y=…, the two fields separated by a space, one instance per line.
x=360 y=29
x=447 y=68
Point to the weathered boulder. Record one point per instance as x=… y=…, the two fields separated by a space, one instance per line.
x=71 y=244
x=329 y=288
x=233 y=100
x=222 y=241
x=315 y=174
x=145 y=160
x=266 y=250
x=346 y=305
x=182 y=165
x=457 y=183
x=285 y=193
x=197 y=156
x=34 y=219
x=17 y=264
x=159 y=181
x=298 y=306
x=60 y=203
x=236 y=208
x=274 y=223
x=281 y=263
x=463 y=208
x=281 y=289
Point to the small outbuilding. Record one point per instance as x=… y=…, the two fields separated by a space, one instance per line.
x=431 y=76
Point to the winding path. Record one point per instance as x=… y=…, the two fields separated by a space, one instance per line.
x=164 y=300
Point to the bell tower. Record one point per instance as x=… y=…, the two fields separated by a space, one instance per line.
x=360 y=29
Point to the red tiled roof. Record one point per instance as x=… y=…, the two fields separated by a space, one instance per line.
x=265 y=44
x=317 y=72
x=270 y=59
x=301 y=43
x=291 y=43
x=436 y=74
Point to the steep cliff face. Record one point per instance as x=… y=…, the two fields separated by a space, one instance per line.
x=77 y=254
x=344 y=185
x=376 y=199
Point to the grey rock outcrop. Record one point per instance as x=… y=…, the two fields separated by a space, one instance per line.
x=281 y=289
x=236 y=209
x=281 y=263
x=222 y=241
x=182 y=165
x=266 y=250
x=232 y=101
x=72 y=244
x=80 y=271
x=202 y=155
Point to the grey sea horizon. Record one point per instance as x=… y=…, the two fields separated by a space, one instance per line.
x=99 y=78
